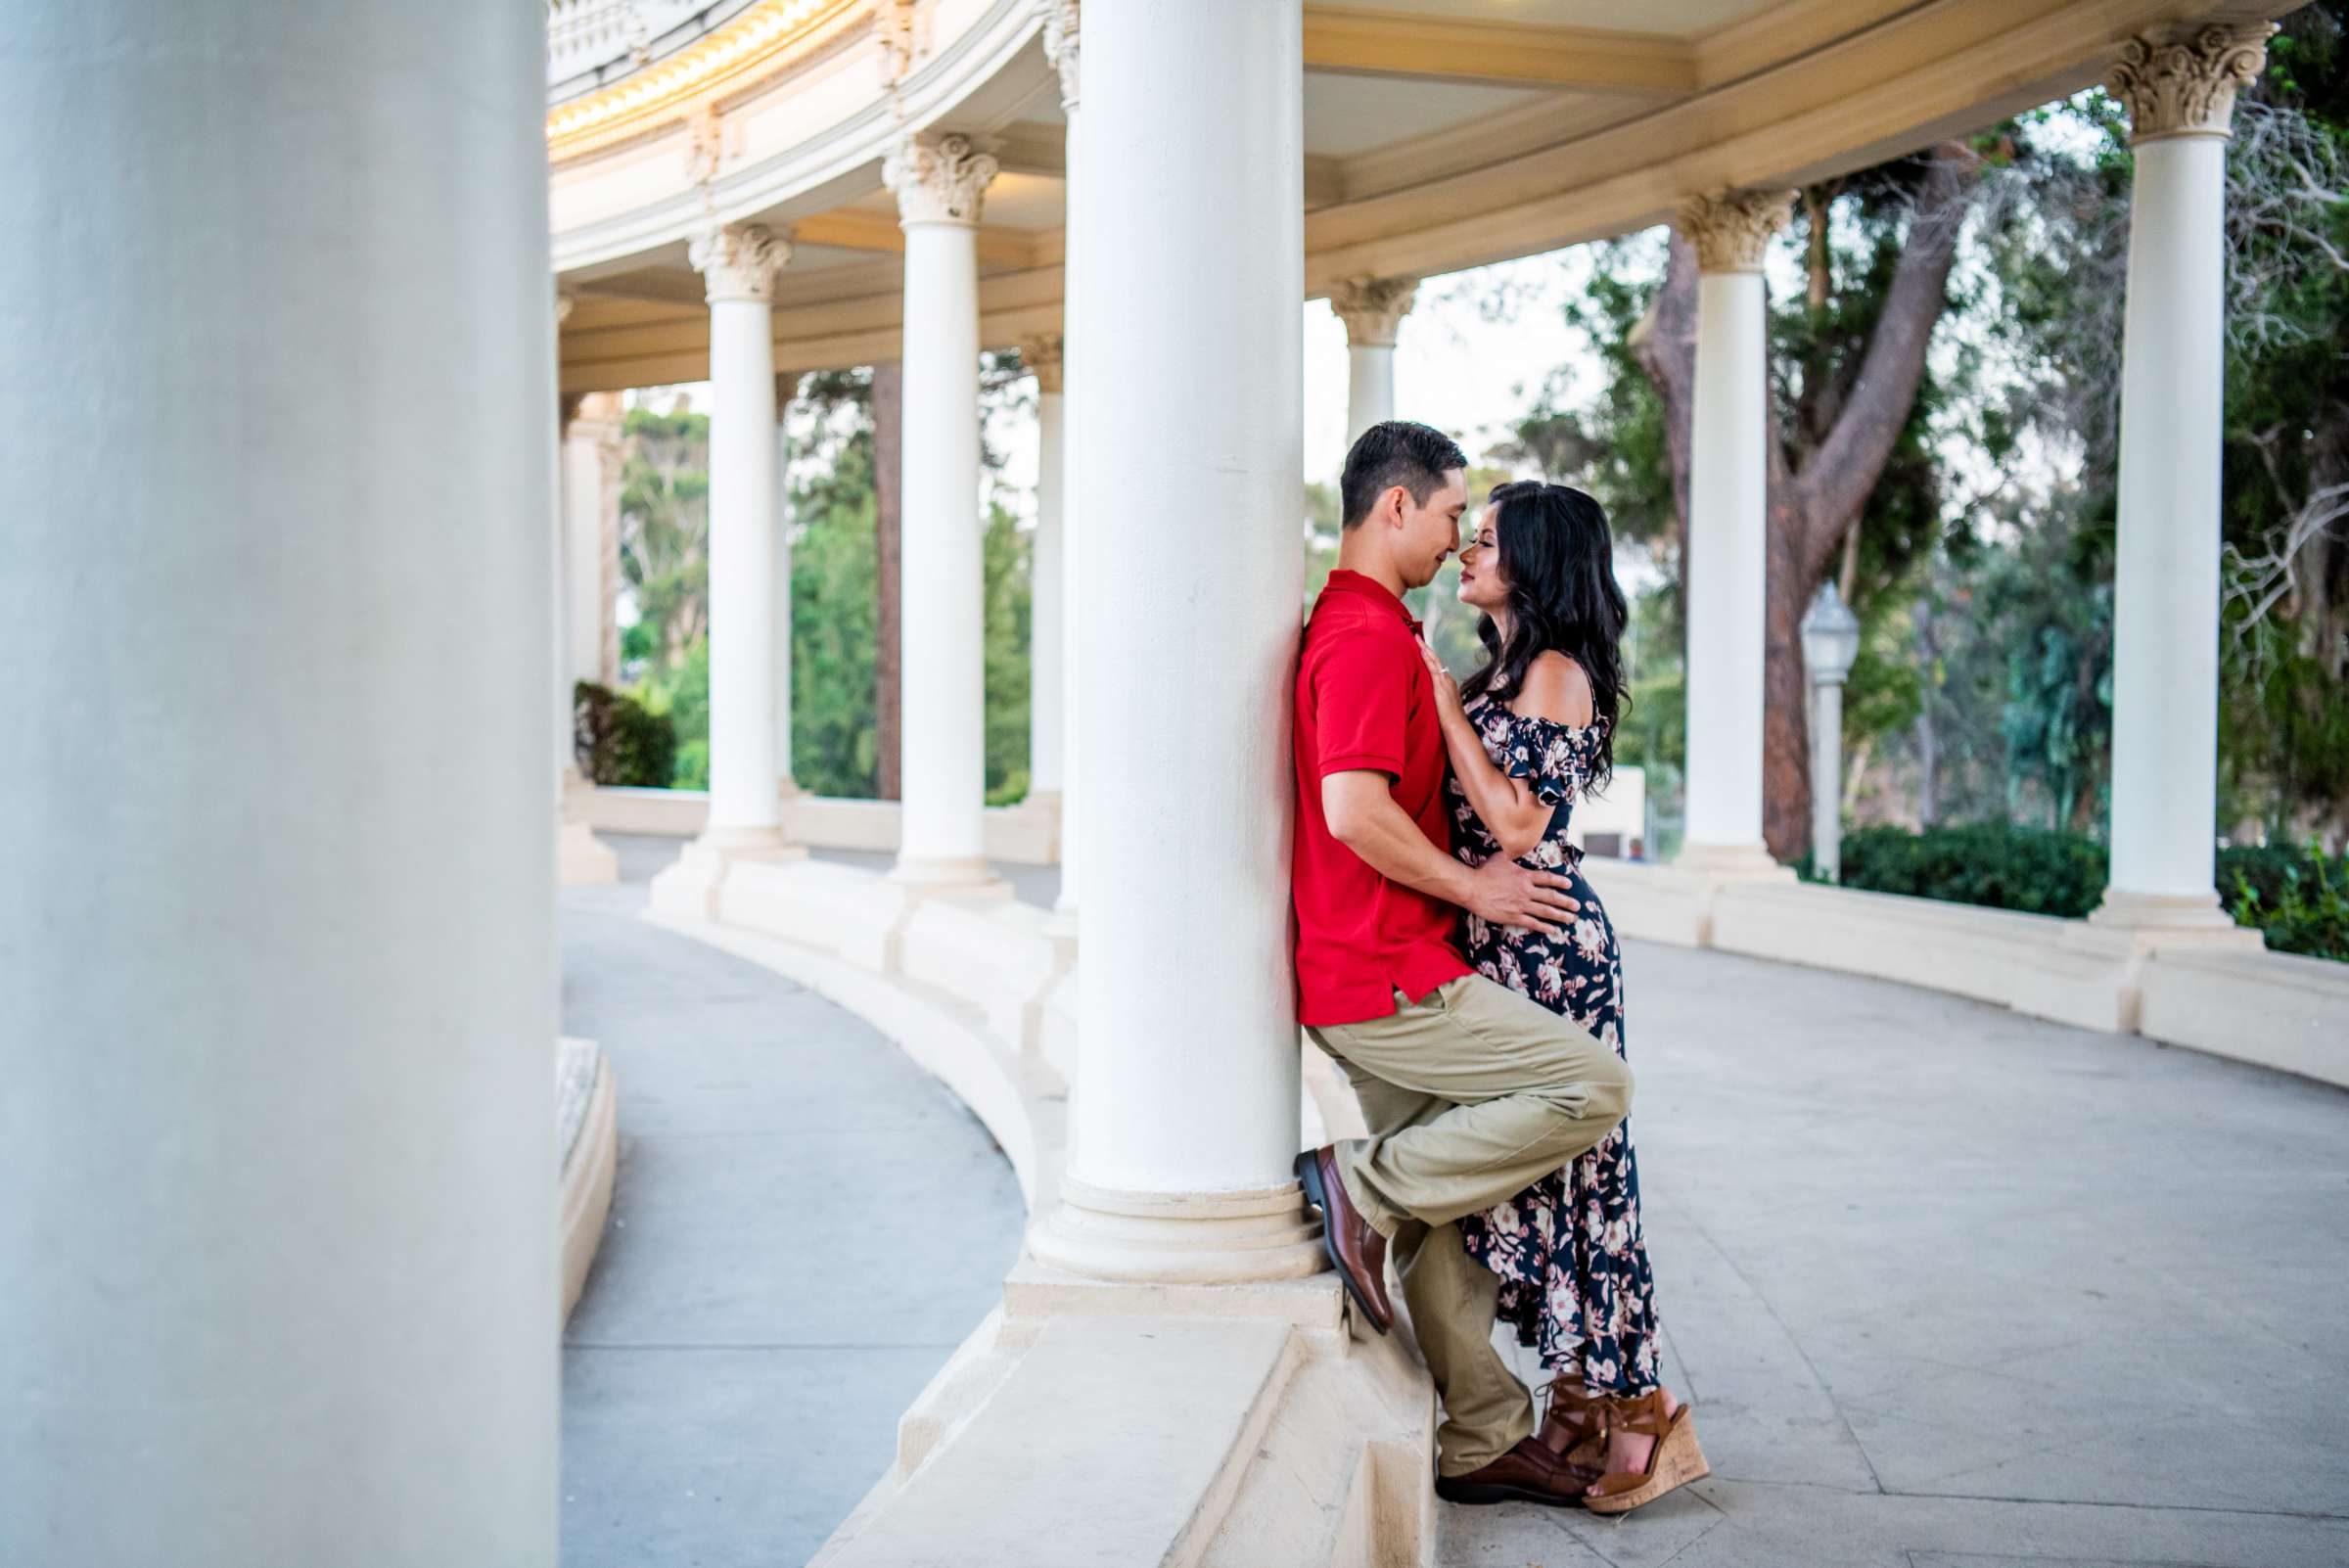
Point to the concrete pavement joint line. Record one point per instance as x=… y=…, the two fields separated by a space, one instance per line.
x=2051 y=1503
x=1824 y=1387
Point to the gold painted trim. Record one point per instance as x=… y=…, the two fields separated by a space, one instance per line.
x=763 y=40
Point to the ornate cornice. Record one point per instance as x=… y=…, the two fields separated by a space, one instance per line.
x=2187 y=87
x=941 y=181
x=1372 y=308
x=739 y=262
x=1060 y=46
x=1042 y=354
x=1731 y=230
x=759 y=41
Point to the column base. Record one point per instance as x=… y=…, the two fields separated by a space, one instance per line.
x=968 y=878
x=1202 y=1238
x=689 y=887
x=581 y=859
x=2173 y=920
x=1732 y=862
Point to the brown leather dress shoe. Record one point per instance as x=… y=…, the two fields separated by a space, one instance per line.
x=1359 y=1251
x=1527 y=1473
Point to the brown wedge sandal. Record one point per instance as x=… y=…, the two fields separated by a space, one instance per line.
x=1574 y=1429
x=1674 y=1461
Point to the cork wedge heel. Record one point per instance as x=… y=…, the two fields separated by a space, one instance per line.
x=1674 y=1461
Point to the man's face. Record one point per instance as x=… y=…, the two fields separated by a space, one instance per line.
x=1430 y=533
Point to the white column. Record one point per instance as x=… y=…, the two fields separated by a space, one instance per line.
x=1046 y=678
x=1373 y=309
x=2181 y=99
x=580 y=858
x=1186 y=1094
x=785 y=384
x=277 y=1209
x=1728 y=514
x=1063 y=46
x=739 y=264
x=940 y=185
x=590 y=492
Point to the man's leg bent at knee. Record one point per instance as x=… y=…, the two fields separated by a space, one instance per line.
x=1450 y=1298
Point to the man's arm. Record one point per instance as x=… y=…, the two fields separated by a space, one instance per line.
x=1362 y=815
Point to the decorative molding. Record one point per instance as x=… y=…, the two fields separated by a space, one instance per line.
x=1515 y=54
x=739 y=262
x=938 y=181
x=2187 y=87
x=1372 y=308
x=705 y=144
x=1731 y=230
x=1061 y=46
x=762 y=41
x=900 y=31
x=1042 y=354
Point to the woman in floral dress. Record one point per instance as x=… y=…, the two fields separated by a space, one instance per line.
x=1528 y=733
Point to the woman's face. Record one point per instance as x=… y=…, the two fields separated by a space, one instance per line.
x=1482 y=585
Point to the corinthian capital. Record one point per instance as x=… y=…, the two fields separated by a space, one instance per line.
x=1372 y=308
x=2186 y=87
x=1060 y=46
x=739 y=262
x=941 y=182
x=1731 y=230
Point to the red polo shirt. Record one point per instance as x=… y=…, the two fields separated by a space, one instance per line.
x=1364 y=702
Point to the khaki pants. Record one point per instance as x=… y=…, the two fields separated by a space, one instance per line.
x=1470 y=1094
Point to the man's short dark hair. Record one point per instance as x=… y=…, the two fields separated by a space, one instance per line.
x=1396 y=453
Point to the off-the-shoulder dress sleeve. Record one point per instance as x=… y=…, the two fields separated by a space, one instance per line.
x=1552 y=758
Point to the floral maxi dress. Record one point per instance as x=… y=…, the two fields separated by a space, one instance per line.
x=1572 y=1259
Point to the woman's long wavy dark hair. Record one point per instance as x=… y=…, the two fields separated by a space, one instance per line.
x=1559 y=560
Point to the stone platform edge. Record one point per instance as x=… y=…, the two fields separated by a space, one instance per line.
x=587 y=1142
x=2218 y=993
x=1087 y=1421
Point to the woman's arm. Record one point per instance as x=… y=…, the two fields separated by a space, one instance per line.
x=1555 y=689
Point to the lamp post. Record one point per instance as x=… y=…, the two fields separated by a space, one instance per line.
x=1830 y=642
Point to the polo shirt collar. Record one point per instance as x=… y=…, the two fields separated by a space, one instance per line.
x=1345 y=582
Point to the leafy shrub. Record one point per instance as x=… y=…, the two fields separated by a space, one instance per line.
x=617 y=741
x=2304 y=908
x=2037 y=870
x=2297 y=896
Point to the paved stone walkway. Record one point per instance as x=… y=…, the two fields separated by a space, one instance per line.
x=1952 y=1288
x=1957 y=1289
x=804 y=1225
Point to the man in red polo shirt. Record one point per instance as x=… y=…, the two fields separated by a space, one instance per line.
x=1470 y=1090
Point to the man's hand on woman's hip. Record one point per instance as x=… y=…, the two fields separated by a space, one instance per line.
x=1506 y=893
